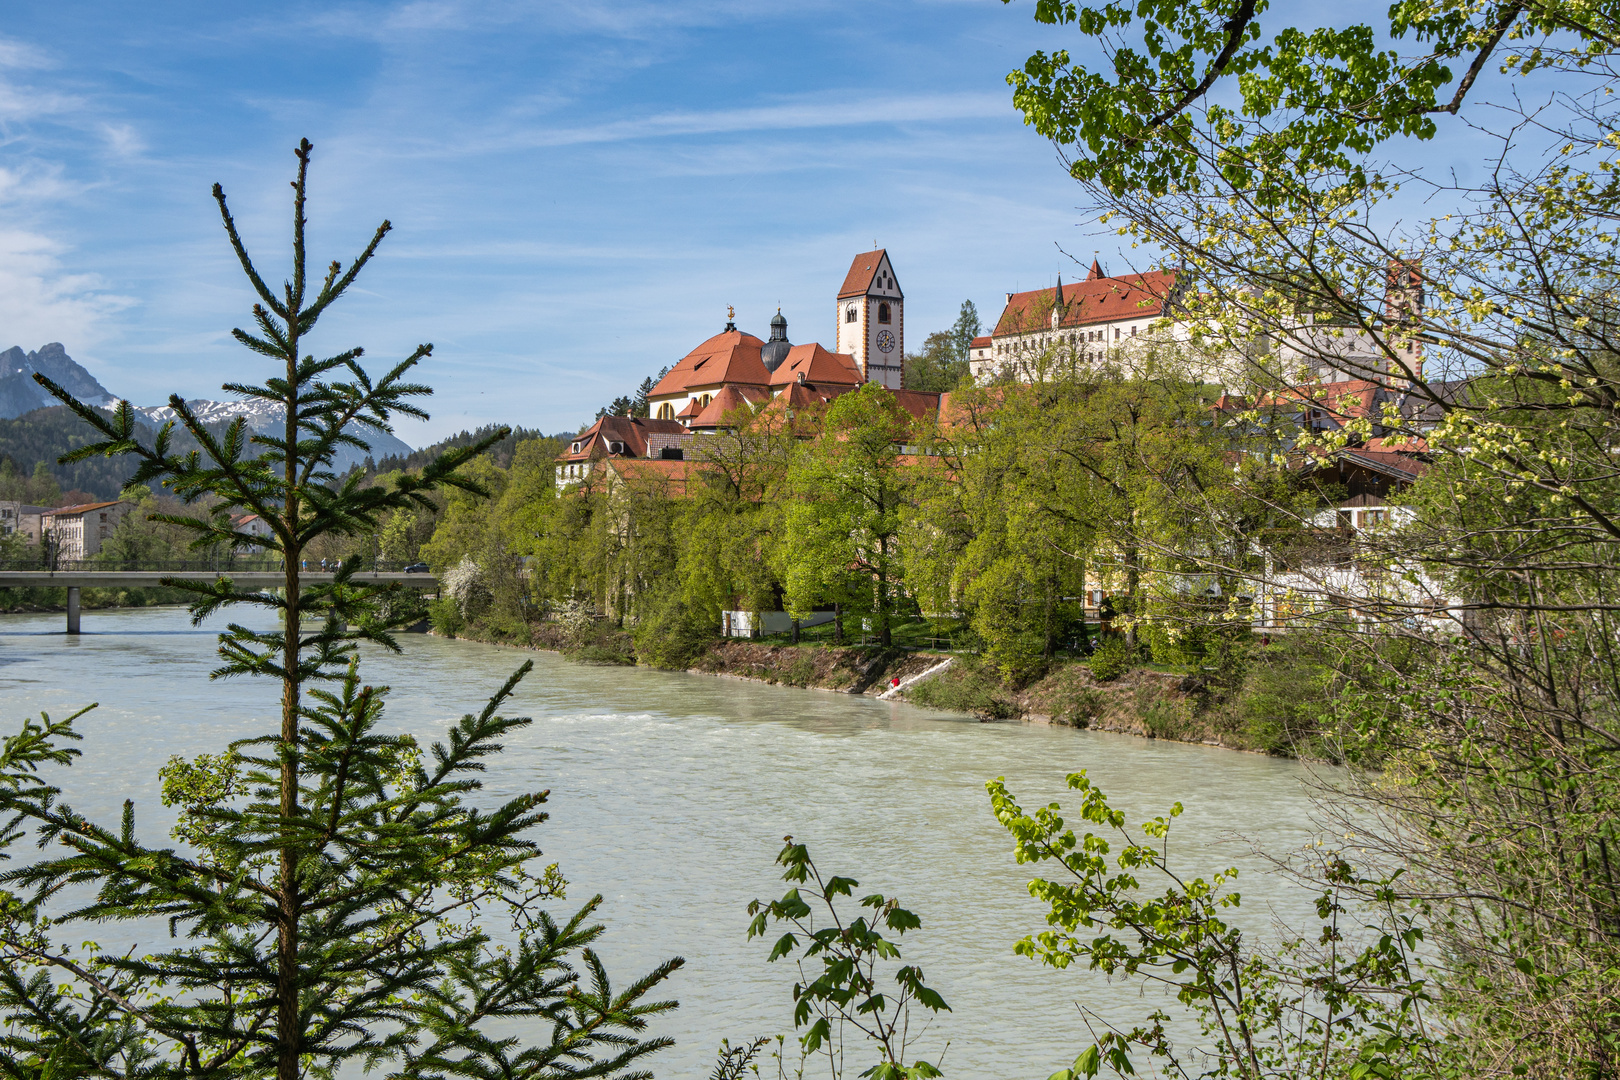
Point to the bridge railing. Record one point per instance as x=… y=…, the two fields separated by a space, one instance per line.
x=227 y=564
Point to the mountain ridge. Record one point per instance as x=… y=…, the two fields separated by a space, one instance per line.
x=20 y=395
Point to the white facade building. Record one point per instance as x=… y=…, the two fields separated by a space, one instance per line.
x=78 y=531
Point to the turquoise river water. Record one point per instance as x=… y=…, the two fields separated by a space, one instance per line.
x=671 y=794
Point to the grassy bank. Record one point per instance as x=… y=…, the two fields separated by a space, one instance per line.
x=1268 y=697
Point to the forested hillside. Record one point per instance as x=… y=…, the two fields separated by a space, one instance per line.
x=44 y=435
x=500 y=453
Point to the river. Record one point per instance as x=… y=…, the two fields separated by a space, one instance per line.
x=671 y=794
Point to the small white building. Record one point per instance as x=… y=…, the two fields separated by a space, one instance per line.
x=78 y=531
x=252 y=525
x=19 y=517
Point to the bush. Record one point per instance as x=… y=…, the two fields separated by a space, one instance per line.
x=1164 y=718
x=969 y=686
x=802 y=672
x=464 y=583
x=601 y=654
x=445 y=615
x=671 y=636
x=1085 y=708
x=1111 y=659
x=1284 y=696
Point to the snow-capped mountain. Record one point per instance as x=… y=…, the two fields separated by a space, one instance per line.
x=20 y=394
x=264 y=417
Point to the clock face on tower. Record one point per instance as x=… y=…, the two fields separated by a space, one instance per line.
x=885 y=341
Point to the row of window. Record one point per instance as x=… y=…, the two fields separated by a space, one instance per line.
x=851 y=314
x=1073 y=336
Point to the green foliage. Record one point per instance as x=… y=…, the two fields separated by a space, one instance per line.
x=30 y=446
x=1285 y=696
x=1319 y=1006
x=333 y=903
x=970 y=686
x=844 y=524
x=446 y=616
x=500 y=442
x=1307 y=101
x=841 y=961
x=1110 y=659
x=671 y=636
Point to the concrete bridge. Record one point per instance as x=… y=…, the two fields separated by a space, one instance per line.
x=74 y=580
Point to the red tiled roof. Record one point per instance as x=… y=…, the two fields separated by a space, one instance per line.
x=979 y=342
x=1104 y=299
x=671 y=473
x=692 y=408
x=814 y=364
x=797 y=397
x=1350 y=399
x=729 y=357
x=631 y=431
x=921 y=404
x=1403 y=444
x=861 y=272
x=725 y=403
x=1389 y=462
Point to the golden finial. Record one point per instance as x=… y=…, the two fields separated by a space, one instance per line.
x=731 y=313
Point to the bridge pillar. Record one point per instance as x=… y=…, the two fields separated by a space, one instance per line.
x=73 y=610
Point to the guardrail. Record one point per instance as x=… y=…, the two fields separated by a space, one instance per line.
x=229 y=564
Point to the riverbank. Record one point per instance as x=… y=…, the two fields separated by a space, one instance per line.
x=1141 y=702
x=36 y=600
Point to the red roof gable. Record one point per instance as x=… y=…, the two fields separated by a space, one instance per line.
x=858 y=282
x=727 y=402
x=812 y=364
x=728 y=357
x=1095 y=300
x=631 y=431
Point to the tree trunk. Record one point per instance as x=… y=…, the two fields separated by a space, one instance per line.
x=287 y=1030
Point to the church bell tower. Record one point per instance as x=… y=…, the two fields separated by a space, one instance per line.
x=871 y=319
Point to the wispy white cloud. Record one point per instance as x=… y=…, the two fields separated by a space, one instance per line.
x=40 y=301
x=122 y=140
x=20 y=101
x=32 y=183
x=842 y=111
x=637 y=20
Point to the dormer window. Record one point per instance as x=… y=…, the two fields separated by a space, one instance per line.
x=574 y=449
x=883 y=313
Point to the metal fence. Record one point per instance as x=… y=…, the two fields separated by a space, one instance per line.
x=260 y=564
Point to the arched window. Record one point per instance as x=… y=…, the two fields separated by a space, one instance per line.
x=883 y=313
x=666 y=411
x=849 y=313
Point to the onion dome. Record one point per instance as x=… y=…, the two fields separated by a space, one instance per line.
x=776 y=349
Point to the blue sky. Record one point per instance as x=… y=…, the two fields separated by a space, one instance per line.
x=578 y=190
